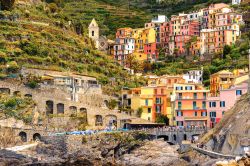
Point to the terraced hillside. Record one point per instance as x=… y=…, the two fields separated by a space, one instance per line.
x=110 y=17
x=36 y=36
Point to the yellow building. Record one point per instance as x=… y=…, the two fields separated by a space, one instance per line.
x=140 y=56
x=135 y=99
x=146 y=102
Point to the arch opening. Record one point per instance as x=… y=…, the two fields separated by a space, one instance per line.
x=73 y=110
x=60 y=108
x=165 y=137
x=23 y=136
x=174 y=137
x=83 y=113
x=185 y=137
x=98 y=120
x=111 y=121
x=37 y=137
x=49 y=107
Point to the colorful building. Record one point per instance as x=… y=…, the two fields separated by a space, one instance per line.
x=190 y=105
x=217 y=106
x=147 y=102
x=221 y=80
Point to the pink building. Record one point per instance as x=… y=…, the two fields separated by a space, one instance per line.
x=217 y=106
x=190 y=28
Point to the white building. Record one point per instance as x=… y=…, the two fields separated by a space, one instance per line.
x=236 y=2
x=159 y=19
x=193 y=76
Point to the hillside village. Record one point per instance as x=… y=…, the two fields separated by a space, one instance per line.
x=177 y=78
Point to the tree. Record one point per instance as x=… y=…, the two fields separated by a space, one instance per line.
x=139 y=112
x=112 y=104
x=162 y=119
x=133 y=63
x=7 y=4
x=226 y=51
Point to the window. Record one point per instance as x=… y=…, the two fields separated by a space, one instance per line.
x=158 y=109
x=204 y=104
x=212 y=114
x=195 y=95
x=222 y=104
x=180 y=96
x=188 y=88
x=203 y=113
x=204 y=95
x=93 y=33
x=212 y=104
x=148 y=118
x=179 y=105
x=179 y=113
x=158 y=100
x=179 y=88
x=146 y=102
x=223 y=112
x=194 y=104
x=238 y=92
x=195 y=113
x=149 y=110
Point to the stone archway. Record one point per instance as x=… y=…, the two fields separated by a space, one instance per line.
x=84 y=113
x=60 y=108
x=98 y=120
x=73 y=110
x=165 y=137
x=106 y=103
x=185 y=137
x=111 y=121
x=17 y=93
x=5 y=91
x=49 y=107
x=37 y=137
x=23 y=136
x=174 y=137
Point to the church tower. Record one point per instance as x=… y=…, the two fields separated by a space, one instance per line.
x=94 y=32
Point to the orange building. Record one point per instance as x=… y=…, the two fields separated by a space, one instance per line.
x=161 y=103
x=190 y=105
x=220 y=81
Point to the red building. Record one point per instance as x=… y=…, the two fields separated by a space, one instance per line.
x=164 y=34
x=151 y=50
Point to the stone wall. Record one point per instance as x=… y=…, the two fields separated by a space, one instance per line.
x=92 y=105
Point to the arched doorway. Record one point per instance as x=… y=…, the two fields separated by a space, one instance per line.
x=165 y=137
x=111 y=121
x=23 y=136
x=98 y=120
x=185 y=137
x=174 y=137
x=36 y=137
x=73 y=110
x=60 y=108
x=83 y=113
x=49 y=107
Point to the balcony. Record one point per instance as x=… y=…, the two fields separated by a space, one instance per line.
x=190 y=98
x=196 y=118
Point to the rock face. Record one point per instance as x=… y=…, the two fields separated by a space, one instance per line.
x=104 y=149
x=153 y=153
x=232 y=134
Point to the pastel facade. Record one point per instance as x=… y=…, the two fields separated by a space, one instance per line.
x=218 y=106
x=147 y=102
x=190 y=105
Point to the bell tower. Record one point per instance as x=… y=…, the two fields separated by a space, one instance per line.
x=94 y=31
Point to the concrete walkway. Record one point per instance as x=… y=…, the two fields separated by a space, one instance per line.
x=22 y=147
